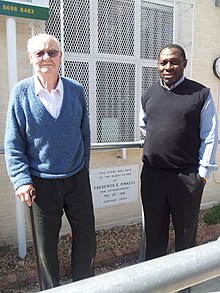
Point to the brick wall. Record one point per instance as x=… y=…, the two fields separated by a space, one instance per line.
x=206 y=44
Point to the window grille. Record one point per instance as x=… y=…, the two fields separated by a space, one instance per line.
x=77 y=26
x=80 y=72
x=156 y=28
x=116 y=27
x=149 y=76
x=53 y=25
x=115 y=101
x=111 y=47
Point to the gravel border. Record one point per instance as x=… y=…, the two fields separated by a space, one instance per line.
x=116 y=247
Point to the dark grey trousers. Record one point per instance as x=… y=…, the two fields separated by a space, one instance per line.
x=54 y=197
x=168 y=193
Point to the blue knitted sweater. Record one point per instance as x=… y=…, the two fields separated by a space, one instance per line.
x=40 y=145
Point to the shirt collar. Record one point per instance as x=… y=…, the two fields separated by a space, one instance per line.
x=173 y=86
x=38 y=86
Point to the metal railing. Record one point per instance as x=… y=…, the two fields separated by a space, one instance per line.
x=119 y=145
x=106 y=146
x=166 y=274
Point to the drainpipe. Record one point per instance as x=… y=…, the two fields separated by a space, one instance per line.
x=12 y=79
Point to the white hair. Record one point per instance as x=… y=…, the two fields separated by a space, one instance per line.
x=40 y=38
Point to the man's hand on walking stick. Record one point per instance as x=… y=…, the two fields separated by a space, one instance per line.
x=26 y=193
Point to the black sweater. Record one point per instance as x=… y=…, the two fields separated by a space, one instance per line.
x=173 y=125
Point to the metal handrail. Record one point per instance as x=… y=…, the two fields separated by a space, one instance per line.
x=106 y=146
x=166 y=274
x=118 y=145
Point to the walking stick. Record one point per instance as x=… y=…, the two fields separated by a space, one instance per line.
x=143 y=238
x=39 y=276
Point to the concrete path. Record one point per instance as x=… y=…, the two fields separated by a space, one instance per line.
x=211 y=286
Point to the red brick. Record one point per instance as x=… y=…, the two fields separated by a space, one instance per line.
x=100 y=257
x=212 y=232
x=118 y=254
x=3 y=282
x=12 y=278
x=201 y=237
x=135 y=250
x=110 y=258
x=127 y=254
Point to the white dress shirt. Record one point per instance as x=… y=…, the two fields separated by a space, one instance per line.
x=53 y=100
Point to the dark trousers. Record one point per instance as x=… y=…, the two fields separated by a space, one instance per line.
x=166 y=193
x=73 y=196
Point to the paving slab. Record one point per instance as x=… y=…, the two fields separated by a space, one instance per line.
x=211 y=286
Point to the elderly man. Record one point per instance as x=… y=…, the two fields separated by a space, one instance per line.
x=47 y=149
x=179 y=120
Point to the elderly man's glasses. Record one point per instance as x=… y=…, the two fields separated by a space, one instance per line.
x=51 y=53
